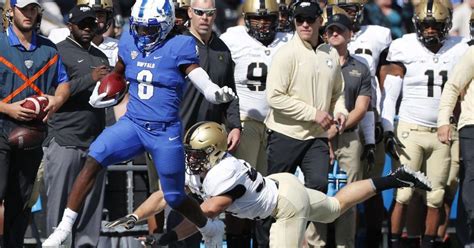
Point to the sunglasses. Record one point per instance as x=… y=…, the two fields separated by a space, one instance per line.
x=201 y=12
x=87 y=23
x=302 y=19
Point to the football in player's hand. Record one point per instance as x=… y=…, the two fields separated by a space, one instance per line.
x=37 y=104
x=113 y=84
x=27 y=137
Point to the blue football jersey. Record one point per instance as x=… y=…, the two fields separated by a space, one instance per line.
x=156 y=83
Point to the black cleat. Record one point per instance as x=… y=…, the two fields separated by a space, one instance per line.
x=409 y=178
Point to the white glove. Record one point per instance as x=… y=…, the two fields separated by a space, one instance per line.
x=225 y=94
x=213 y=233
x=60 y=236
x=96 y=100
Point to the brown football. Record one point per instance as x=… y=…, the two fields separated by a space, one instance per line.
x=27 y=137
x=37 y=104
x=113 y=84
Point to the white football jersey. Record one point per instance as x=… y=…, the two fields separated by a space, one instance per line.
x=193 y=182
x=58 y=34
x=109 y=46
x=252 y=60
x=366 y=46
x=426 y=74
x=260 y=197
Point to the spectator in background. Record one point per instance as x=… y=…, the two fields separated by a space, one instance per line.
x=74 y=127
x=18 y=167
x=386 y=13
x=347 y=146
x=461 y=17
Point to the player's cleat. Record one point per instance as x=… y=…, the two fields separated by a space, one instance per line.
x=409 y=178
x=128 y=222
x=60 y=238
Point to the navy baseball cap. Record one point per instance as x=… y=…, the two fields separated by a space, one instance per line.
x=81 y=12
x=339 y=20
x=23 y=3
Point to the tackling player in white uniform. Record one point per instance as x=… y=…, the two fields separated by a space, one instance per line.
x=232 y=185
x=421 y=64
x=252 y=47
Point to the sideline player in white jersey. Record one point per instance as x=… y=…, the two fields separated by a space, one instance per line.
x=420 y=65
x=252 y=48
x=232 y=185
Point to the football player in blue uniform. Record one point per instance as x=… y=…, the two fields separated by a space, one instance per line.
x=155 y=63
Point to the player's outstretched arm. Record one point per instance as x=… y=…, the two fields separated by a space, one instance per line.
x=214 y=230
x=210 y=90
x=154 y=204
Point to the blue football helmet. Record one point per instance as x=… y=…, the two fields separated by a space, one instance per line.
x=151 y=21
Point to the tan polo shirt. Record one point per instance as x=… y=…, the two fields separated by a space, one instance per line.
x=460 y=83
x=300 y=81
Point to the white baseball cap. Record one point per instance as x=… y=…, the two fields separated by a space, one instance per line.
x=23 y=3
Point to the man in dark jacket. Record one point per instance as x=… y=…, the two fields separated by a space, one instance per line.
x=74 y=127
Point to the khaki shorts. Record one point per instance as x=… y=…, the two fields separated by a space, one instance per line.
x=422 y=146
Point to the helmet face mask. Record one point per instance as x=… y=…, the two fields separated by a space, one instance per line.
x=150 y=23
x=196 y=160
x=284 y=16
x=432 y=15
x=355 y=12
x=181 y=14
x=353 y=8
x=261 y=19
x=262 y=27
x=431 y=38
x=105 y=6
x=205 y=144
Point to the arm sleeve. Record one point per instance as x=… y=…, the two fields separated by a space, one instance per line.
x=278 y=81
x=462 y=76
x=203 y=84
x=367 y=124
x=393 y=87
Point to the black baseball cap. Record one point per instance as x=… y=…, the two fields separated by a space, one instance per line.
x=81 y=12
x=307 y=9
x=340 y=20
